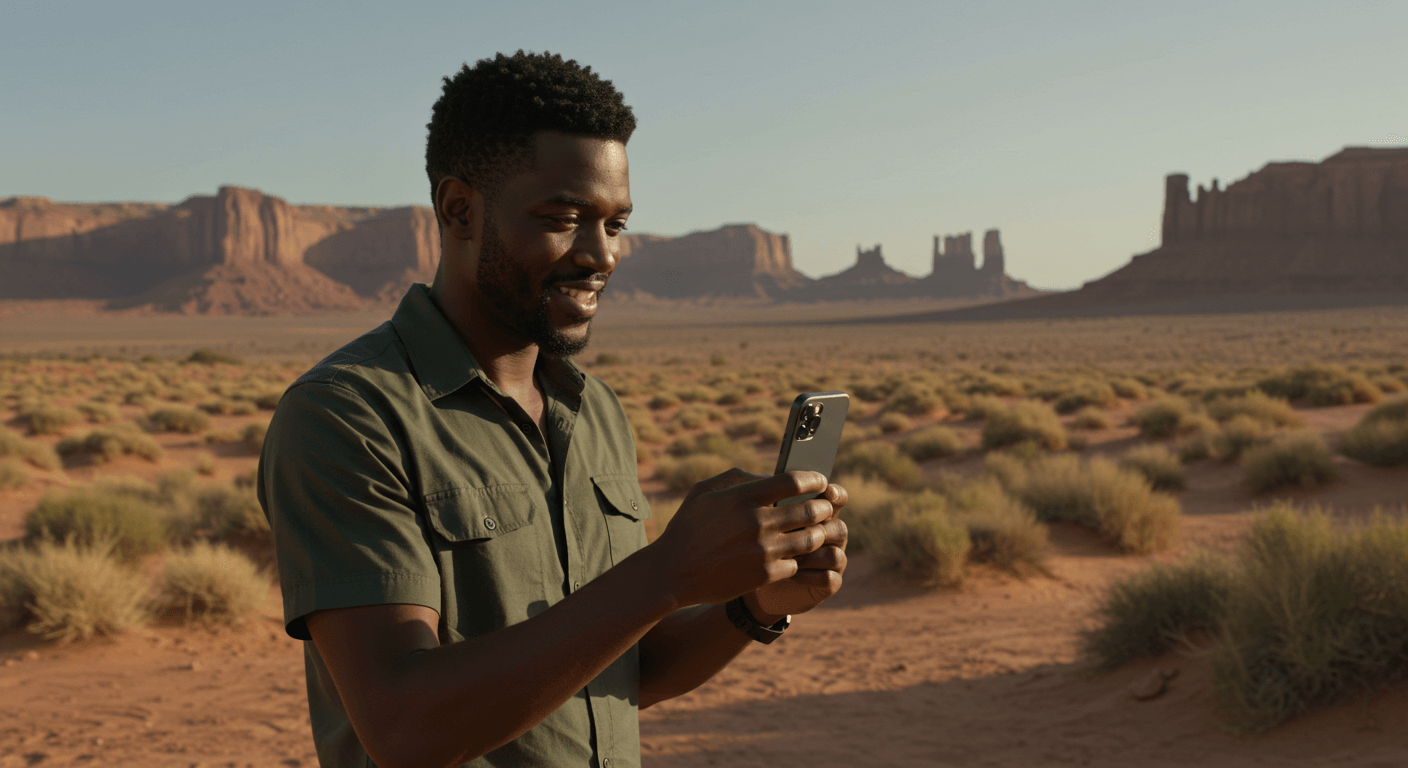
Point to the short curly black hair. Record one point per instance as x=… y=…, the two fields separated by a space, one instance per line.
x=482 y=125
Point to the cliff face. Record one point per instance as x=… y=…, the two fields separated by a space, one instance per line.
x=1338 y=226
x=734 y=260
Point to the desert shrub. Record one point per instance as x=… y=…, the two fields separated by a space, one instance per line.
x=1082 y=394
x=878 y=461
x=1256 y=405
x=1116 y=503
x=983 y=407
x=1091 y=417
x=768 y=429
x=253 y=435
x=731 y=397
x=1002 y=530
x=177 y=418
x=205 y=463
x=868 y=511
x=1240 y=434
x=1394 y=410
x=932 y=442
x=48 y=419
x=661 y=401
x=1129 y=389
x=37 y=454
x=681 y=474
x=1321 y=384
x=1314 y=615
x=921 y=542
x=696 y=416
x=13 y=474
x=1389 y=385
x=1382 y=443
x=213 y=357
x=609 y=358
x=71 y=591
x=1158 y=465
x=110 y=442
x=223 y=511
x=698 y=394
x=717 y=444
x=212 y=582
x=892 y=423
x=1027 y=420
x=94 y=515
x=914 y=399
x=99 y=413
x=1162 y=418
x=645 y=429
x=1155 y=611
x=1300 y=459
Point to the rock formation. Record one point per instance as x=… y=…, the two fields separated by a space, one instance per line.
x=1339 y=226
x=241 y=251
x=736 y=260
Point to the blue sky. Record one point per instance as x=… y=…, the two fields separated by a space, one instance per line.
x=837 y=123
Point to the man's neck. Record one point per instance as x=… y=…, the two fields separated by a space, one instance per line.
x=507 y=360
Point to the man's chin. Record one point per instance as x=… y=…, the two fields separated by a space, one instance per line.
x=568 y=341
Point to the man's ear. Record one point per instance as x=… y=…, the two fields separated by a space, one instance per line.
x=460 y=209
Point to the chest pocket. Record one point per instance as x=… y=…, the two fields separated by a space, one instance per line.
x=626 y=510
x=489 y=546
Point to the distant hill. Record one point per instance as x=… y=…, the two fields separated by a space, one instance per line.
x=241 y=251
x=1291 y=235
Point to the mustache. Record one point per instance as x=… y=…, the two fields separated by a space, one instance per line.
x=577 y=276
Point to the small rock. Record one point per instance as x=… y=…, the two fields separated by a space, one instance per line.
x=31 y=656
x=11 y=662
x=899 y=668
x=193 y=666
x=1150 y=686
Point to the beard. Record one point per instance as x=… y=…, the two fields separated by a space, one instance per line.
x=521 y=305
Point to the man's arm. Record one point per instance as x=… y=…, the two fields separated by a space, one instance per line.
x=415 y=702
x=690 y=646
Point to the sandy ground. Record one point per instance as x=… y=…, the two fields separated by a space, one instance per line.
x=883 y=675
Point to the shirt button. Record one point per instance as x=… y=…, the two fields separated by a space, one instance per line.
x=633 y=505
x=605 y=762
x=490 y=523
x=576 y=585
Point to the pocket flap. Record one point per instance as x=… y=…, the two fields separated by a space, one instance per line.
x=623 y=492
x=465 y=514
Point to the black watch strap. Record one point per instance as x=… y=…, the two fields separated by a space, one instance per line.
x=742 y=618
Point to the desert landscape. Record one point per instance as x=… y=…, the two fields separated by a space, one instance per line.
x=963 y=658
x=1159 y=520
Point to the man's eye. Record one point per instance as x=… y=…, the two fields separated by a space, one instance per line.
x=617 y=226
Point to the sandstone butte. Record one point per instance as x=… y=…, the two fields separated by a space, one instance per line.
x=241 y=251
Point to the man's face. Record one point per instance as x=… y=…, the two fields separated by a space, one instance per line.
x=551 y=240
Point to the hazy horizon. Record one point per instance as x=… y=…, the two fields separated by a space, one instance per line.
x=835 y=125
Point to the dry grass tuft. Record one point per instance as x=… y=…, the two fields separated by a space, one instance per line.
x=1023 y=422
x=1158 y=465
x=176 y=418
x=878 y=461
x=213 y=582
x=110 y=442
x=932 y=442
x=70 y=591
x=1155 y=611
x=1381 y=437
x=1297 y=459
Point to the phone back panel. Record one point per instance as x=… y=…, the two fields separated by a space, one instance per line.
x=817 y=453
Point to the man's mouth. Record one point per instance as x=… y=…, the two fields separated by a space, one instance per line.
x=578 y=298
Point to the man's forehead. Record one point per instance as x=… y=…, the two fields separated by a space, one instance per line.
x=577 y=170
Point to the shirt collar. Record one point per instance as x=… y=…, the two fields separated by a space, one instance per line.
x=443 y=364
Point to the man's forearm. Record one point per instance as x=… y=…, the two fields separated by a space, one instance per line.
x=687 y=648
x=504 y=682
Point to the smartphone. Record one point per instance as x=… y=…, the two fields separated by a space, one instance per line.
x=812 y=436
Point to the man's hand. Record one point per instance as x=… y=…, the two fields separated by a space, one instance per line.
x=818 y=576
x=727 y=540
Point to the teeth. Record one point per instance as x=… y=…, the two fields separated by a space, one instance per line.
x=574 y=293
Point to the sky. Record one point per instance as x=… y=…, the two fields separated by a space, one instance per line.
x=839 y=124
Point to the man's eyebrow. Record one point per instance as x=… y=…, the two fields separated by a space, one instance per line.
x=577 y=201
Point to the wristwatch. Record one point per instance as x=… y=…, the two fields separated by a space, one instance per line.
x=742 y=618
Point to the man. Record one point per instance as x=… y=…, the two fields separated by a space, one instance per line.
x=455 y=505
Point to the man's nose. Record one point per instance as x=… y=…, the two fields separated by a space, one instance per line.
x=596 y=249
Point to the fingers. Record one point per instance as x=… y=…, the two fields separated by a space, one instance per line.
x=774 y=488
x=794 y=516
x=836 y=495
x=793 y=544
x=824 y=580
x=722 y=482
x=827 y=558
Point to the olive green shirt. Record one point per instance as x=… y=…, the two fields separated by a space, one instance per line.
x=390 y=475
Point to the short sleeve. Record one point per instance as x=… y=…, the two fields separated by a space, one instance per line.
x=333 y=484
